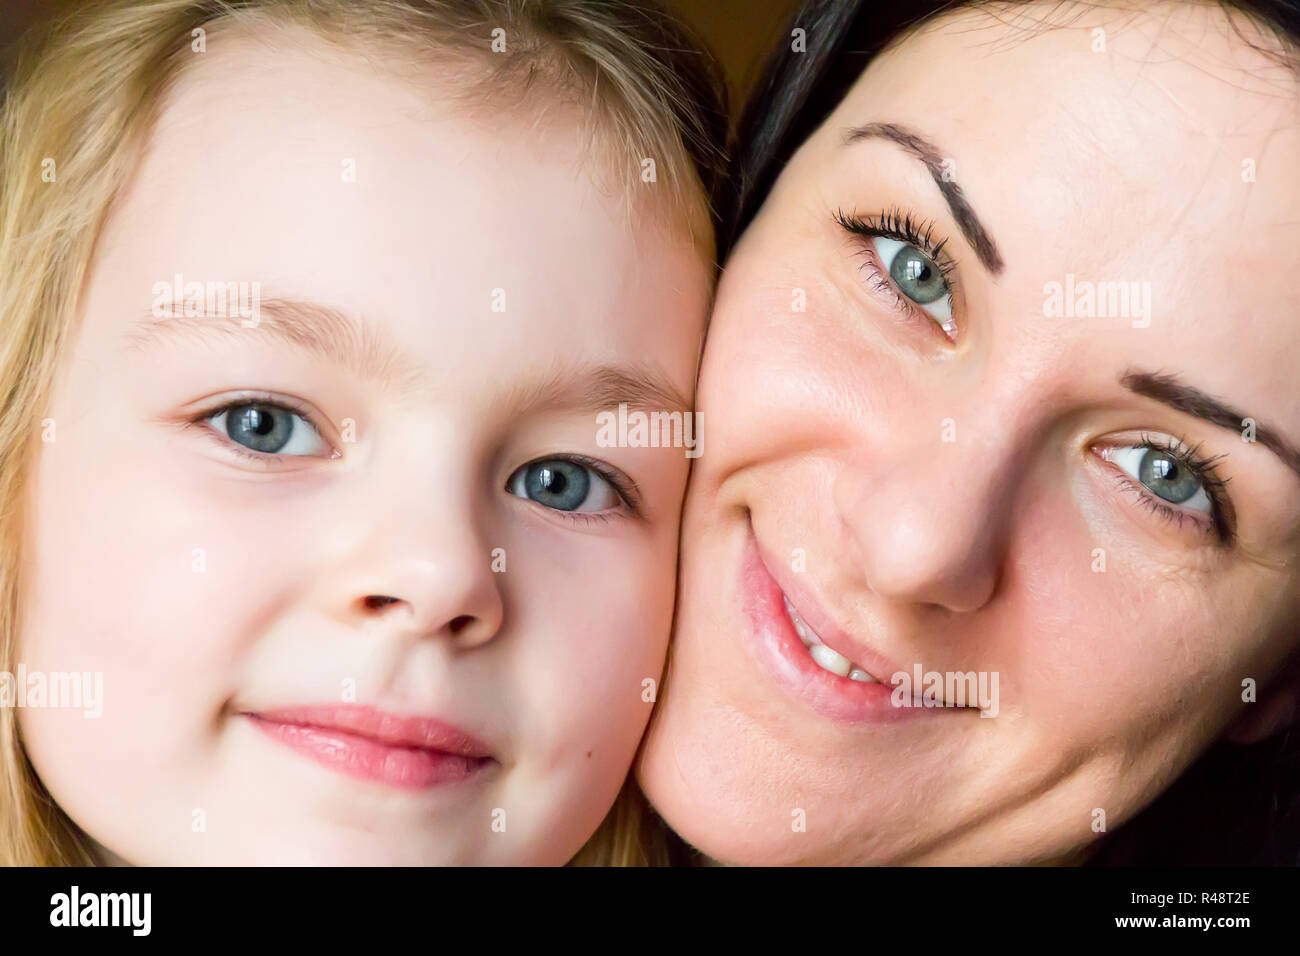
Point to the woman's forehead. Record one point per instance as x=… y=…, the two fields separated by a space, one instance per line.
x=1103 y=167
x=1162 y=139
x=1111 y=102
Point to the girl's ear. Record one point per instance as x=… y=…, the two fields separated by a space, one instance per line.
x=1276 y=709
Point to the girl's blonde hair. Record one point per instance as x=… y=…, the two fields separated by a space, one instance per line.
x=78 y=113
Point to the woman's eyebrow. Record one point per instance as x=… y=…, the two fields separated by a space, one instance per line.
x=1168 y=390
x=921 y=148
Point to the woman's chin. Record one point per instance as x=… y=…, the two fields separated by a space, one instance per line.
x=706 y=803
x=702 y=764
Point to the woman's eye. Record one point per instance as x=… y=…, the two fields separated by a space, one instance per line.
x=268 y=428
x=564 y=485
x=916 y=276
x=1163 y=474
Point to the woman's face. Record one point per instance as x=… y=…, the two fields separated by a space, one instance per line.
x=1056 y=455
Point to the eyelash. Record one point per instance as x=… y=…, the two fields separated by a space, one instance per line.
x=897 y=223
x=1204 y=468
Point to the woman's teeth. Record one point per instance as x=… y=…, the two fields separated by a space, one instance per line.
x=829 y=660
x=825 y=658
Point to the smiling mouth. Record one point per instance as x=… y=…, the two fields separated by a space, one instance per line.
x=828 y=659
x=800 y=662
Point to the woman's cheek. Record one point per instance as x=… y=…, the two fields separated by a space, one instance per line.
x=808 y=356
x=1093 y=621
x=751 y=354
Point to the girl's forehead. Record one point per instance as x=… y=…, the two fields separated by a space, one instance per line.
x=281 y=174
x=288 y=69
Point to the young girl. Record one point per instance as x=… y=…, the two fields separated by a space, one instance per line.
x=311 y=311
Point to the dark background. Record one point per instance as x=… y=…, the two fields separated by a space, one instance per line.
x=740 y=31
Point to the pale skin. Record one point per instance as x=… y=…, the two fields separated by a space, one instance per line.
x=202 y=583
x=951 y=496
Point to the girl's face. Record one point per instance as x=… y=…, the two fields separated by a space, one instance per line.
x=982 y=460
x=276 y=540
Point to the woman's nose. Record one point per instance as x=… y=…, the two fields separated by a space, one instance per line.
x=928 y=522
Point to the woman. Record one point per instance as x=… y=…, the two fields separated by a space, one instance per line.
x=1002 y=409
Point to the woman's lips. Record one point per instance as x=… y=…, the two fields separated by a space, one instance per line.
x=778 y=648
x=409 y=753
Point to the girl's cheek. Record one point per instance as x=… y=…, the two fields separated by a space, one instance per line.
x=106 y=596
x=134 y=579
x=600 y=641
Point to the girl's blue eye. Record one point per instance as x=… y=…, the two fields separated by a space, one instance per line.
x=268 y=428
x=564 y=485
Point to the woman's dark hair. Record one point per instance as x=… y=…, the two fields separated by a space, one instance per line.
x=1236 y=805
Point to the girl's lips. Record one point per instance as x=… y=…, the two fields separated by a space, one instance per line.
x=409 y=753
x=773 y=641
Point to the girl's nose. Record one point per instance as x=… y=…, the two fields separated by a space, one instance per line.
x=429 y=577
x=468 y=630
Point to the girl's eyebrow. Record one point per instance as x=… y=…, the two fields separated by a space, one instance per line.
x=318 y=330
x=921 y=148
x=581 y=387
x=369 y=353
